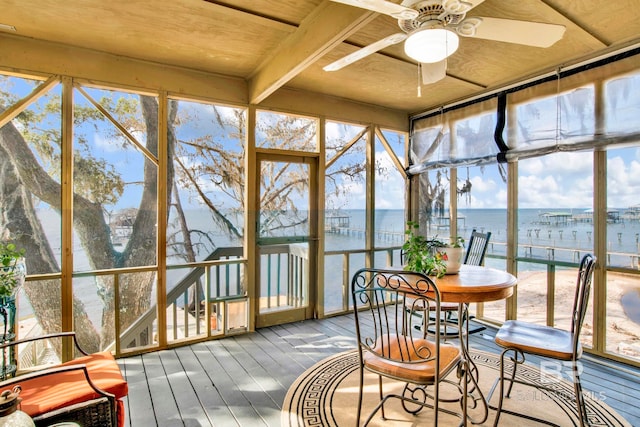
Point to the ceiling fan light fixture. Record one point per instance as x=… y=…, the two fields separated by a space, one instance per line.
x=431 y=44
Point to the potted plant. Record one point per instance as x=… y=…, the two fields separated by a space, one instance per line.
x=419 y=255
x=12 y=269
x=451 y=253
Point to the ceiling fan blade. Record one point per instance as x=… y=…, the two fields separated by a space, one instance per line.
x=433 y=71
x=511 y=31
x=382 y=6
x=365 y=51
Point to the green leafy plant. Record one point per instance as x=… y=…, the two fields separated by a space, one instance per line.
x=419 y=254
x=458 y=242
x=11 y=268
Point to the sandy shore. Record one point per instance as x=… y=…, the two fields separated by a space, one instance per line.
x=623 y=334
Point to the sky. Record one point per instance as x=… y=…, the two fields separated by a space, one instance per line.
x=560 y=180
x=556 y=181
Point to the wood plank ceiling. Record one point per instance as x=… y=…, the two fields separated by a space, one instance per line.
x=285 y=43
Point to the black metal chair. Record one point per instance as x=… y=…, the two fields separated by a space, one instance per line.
x=474 y=255
x=520 y=338
x=477 y=248
x=390 y=347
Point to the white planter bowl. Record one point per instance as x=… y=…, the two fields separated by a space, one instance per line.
x=452 y=259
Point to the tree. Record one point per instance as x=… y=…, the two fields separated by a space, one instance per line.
x=30 y=159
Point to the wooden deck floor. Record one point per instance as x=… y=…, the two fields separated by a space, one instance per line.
x=242 y=380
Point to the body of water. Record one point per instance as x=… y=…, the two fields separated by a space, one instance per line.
x=563 y=234
x=568 y=231
x=537 y=233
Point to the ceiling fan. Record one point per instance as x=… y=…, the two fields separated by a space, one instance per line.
x=430 y=30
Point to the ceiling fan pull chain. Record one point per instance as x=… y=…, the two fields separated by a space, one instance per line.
x=558 y=106
x=419 y=79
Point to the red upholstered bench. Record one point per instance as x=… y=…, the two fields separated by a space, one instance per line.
x=89 y=388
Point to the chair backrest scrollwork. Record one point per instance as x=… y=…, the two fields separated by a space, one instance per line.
x=383 y=300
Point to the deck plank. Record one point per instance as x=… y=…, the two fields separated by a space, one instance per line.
x=164 y=401
x=138 y=406
x=189 y=408
x=207 y=394
x=242 y=380
x=279 y=361
x=262 y=389
x=232 y=383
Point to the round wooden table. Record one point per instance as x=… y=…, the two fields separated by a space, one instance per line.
x=476 y=284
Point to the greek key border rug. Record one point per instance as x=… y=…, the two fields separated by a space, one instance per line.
x=327 y=395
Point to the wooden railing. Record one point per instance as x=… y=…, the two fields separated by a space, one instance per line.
x=544 y=257
x=284 y=265
x=211 y=298
x=283 y=284
x=220 y=273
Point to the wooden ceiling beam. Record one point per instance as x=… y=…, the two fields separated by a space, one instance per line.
x=327 y=26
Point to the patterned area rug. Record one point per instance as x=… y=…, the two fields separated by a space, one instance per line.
x=327 y=395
